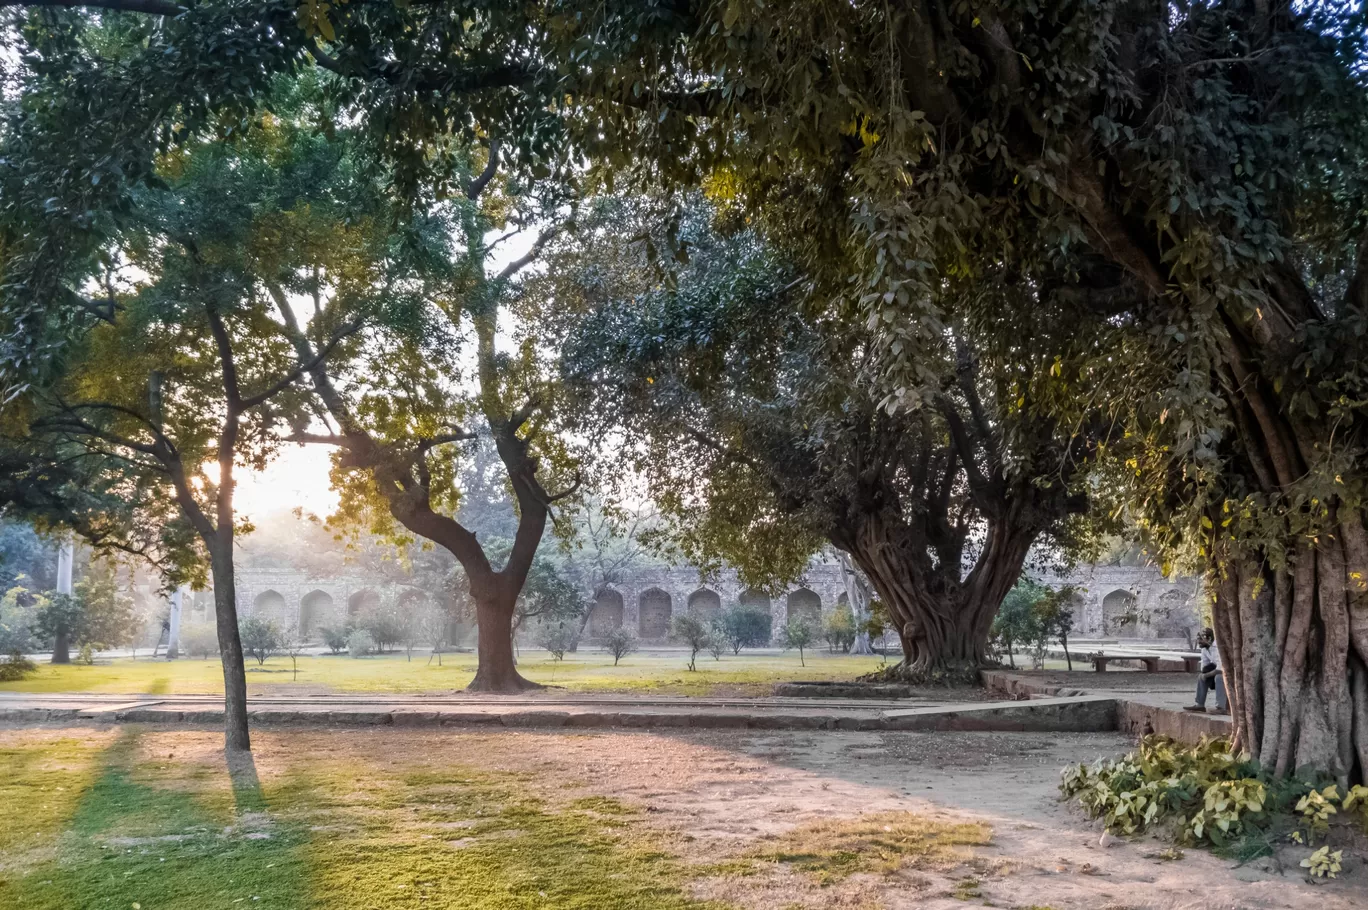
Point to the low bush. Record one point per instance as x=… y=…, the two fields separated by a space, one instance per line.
x=360 y=643
x=335 y=637
x=1211 y=796
x=261 y=637
x=558 y=637
x=619 y=642
x=15 y=667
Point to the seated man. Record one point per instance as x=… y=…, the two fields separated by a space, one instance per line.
x=1210 y=676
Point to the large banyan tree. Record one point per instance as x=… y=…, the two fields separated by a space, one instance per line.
x=762 y=438
x=1198 y=170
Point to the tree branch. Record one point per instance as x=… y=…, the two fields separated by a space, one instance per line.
x=477 y=186
x=300 y=369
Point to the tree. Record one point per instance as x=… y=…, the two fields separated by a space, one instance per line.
x=1197 y=172
x=797 y=633
x=261 y=637
x=334 y=637
x=199 y=639
x=143 y=404
x=293 y=644
x=108 y=615
x=19 y=610
x=1016 y=621
x=694 y=633
x=839 y=629
x=557 y=637
x=745 y=627
x=387 y=621
x=762 y=441
x=619 y=642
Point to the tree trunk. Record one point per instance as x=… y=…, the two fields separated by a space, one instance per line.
x=236 y=736
x=61 y=647
x=857 y=595
x=944 y=623
x=497 y=671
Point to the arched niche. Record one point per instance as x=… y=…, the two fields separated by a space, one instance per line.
x=606 y=614
x=315 y=610
x=705 y=605
x=654 y=611
x=804 y=604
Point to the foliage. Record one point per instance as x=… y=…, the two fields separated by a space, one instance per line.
x=1033 y=614
x=1323 y=863
x=619 y=642
x=24 y=554
x=549 y=596
x=387 y=621
x=797 y=633
x=15 y=666
x=838 y=630
x=558 y=637
x=108 y=617
x=745 y=626
x=1211 y=795
x=335 y=637
x=693 y=632
x=261 y=637
x=199 y=639
x=360 y=643
x=19 y=610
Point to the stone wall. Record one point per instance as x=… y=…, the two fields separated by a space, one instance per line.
x=1120 y=602
x=1134 y=602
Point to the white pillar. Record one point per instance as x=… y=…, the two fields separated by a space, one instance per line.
x=66 y=554
x=173 y=636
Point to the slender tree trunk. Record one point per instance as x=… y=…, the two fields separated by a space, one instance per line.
x=236 y=736
x=497 y=670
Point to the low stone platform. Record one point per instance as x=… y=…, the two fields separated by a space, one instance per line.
x=847 y=690
x=1037 y=715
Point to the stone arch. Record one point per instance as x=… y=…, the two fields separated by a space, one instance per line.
x=315 y=609
x=606 y=614
x=269 y=604
x=1172 y=619
x=753 y=598
x=654 y=609
x=705 y=605
x=1119 y=614
x=362 y=600
x=804 y=604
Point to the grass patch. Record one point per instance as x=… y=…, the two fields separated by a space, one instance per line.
x=659 y=673
x=334 y=820
x=879 y=843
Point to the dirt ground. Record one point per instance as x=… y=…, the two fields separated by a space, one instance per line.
x=720 y=792
x=719 y=796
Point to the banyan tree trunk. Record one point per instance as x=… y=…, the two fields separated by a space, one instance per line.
x=942 y=621
x=1291 y=621
x=497 y=671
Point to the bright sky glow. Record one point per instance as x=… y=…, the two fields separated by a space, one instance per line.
x=297 y=479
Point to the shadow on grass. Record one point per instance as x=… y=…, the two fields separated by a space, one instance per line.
x=133 y=842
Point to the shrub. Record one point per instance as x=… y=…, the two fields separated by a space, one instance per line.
x=620 y=642
x=360 y=643
x=839 y=629
x=199 y=639
x=557 y=637
x=15 y=667
x=692 y=631
x=745 y=627
x=1211 y=795
x=335 y=638
x=797 y=634
x=261 y=637
x=18 y=617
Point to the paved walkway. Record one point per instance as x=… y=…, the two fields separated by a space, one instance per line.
x=1035 y=703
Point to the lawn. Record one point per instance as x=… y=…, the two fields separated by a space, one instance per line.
x=156 y=820
x=657 y=672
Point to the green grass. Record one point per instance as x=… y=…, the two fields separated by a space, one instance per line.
x=662 y=673
x=331 y=823
x=881 y=843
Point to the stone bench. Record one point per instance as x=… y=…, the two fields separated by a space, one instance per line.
x=1100 y=659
